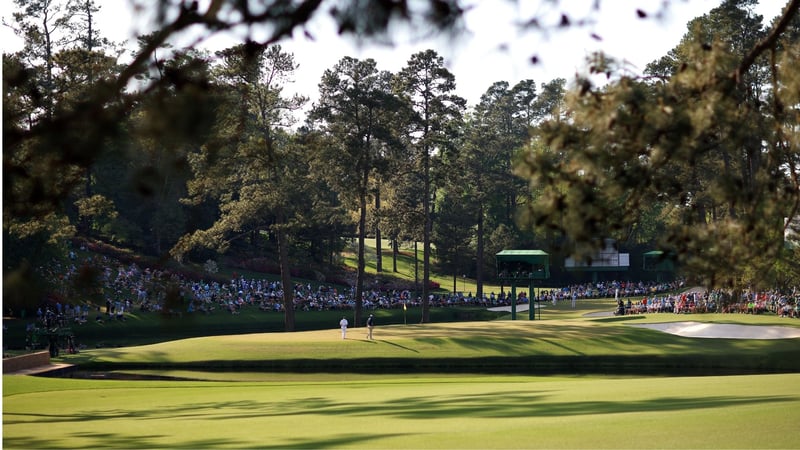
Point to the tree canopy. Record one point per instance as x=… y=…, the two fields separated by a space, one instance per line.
x=185 y=154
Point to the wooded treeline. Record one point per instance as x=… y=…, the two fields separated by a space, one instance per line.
x=184 y=154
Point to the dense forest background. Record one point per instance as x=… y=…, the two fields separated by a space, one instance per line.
x=188 y=156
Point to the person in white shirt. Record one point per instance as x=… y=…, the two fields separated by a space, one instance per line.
x=343 y=323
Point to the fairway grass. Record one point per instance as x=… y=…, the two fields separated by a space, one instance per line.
x=416 y=386
x=358 y=411
x=521 y=347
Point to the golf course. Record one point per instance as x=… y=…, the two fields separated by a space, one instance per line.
x=576 y=379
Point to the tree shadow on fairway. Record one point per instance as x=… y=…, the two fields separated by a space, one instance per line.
x=399 y=346
x=504 y=346
x=483 y=404
x=622 y=318
x=560 y=345
x=514 y=338
x=122 y=440
x=177 y=439
x=83 y=420
x=532 y=404
x=309 y=441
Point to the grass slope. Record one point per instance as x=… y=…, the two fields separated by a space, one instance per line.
x=407 y=270
x=149 y=327
x=330 y=407
x=404 y=412
x=570 y=345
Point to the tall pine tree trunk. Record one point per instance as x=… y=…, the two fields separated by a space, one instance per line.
x=362 y=231
x=378 y=248
x=286 y=280
x=426 y=237
x=479 y=254
x=395 y=250
x=416 y=269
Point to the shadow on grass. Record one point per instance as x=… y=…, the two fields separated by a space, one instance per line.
x=486 y=404
x=562 y=346
x=536 y=404
x=621 y=318
x=339 y=441
x=399 y=346
x=119 y=440
x=479 y=405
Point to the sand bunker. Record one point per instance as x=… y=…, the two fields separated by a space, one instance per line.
x=723 y=331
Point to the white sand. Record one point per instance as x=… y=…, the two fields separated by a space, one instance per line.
x=723 y=331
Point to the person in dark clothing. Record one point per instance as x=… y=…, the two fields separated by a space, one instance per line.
x=370 y=326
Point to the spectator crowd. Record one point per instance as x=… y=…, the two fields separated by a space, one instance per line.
x=123 y=288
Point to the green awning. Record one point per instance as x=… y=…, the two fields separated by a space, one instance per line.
x=530 y=264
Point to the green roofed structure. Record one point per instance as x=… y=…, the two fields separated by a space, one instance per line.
x=523 y=266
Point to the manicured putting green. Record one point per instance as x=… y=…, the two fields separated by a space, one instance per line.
x=583 y=337
x=362 y=411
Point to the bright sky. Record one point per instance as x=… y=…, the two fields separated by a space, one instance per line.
x=496 y=49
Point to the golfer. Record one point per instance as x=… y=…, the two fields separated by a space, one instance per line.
x=343 y=323
x=370 y=325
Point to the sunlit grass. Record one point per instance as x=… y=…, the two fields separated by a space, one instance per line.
x=602 y=337
x=407 y=269
x=380 y=408
x=404 y=412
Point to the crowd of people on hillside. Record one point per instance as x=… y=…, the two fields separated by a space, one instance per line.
x=128 y=287
x=609 y=289
x=768 y=302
